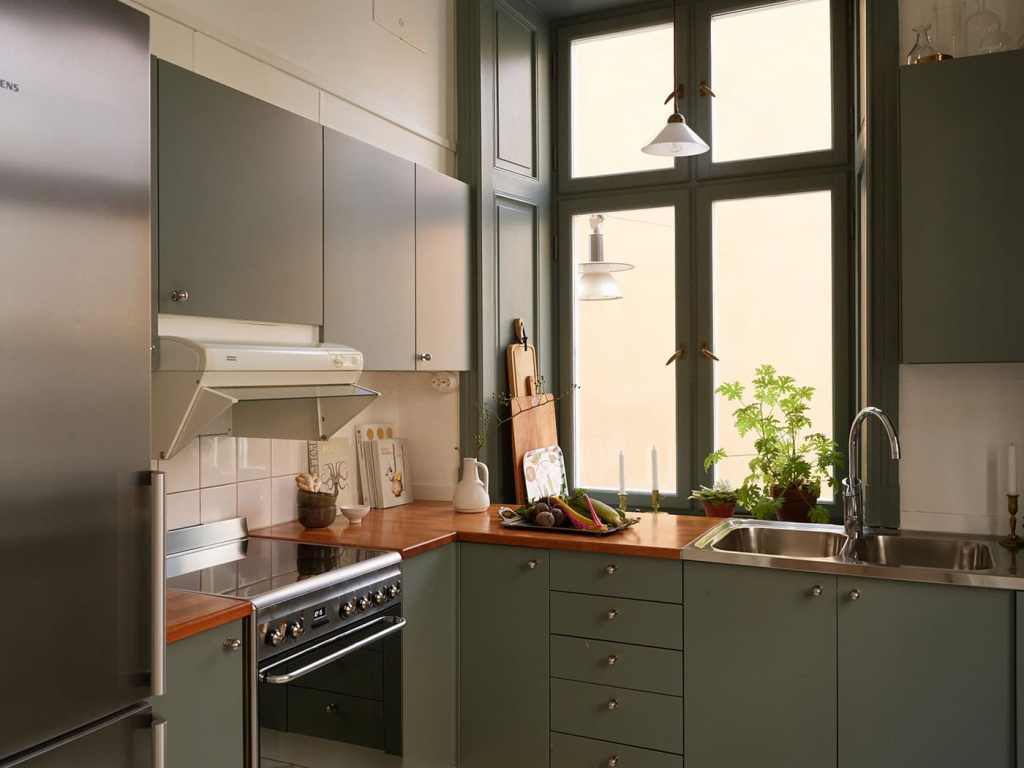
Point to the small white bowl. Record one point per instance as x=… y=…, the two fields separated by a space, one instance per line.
x=355 y=514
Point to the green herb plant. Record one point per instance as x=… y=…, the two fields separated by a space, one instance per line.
x=722 y=493
x=787 y=454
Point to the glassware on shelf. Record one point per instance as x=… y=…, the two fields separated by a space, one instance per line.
x=983 y=31
x=923 y=50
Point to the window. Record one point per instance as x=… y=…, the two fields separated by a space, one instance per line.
x=619 y=81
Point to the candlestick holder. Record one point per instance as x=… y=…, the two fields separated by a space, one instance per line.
x=622 y=502
x=656 y=501
x=1012 y=541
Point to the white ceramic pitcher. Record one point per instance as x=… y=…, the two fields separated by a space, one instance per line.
x=472 y=493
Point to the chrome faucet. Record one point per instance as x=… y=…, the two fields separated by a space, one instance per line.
x=853 y=486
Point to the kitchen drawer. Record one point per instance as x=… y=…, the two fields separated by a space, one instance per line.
x=642 y=578
x=577 y=752
x=649 y=720
x=336 y=717
x=618 y=664
x=640 y=622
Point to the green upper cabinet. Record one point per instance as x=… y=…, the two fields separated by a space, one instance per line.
x=396 y=259
x=238 y=204
x=760 y=655
x=961 y=158
x=926 y=675
x=503 y=657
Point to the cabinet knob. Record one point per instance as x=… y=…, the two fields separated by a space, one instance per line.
x=179 y=294
x=854 y=594
x=613 y=660
x=532 y=565
x=610 y=570
x=613 y=761
x=612 y=614
x=816 y=590
x=424 y=356
x=232 y=644
x=331 y=709
x=613 y=704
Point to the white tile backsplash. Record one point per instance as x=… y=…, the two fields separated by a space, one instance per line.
x=254 y=502
x=182 y=471
x=216 y=461
x=283 y=505
x=253 y=458
x=182 y=509
x=218 y=503
x=288 y=457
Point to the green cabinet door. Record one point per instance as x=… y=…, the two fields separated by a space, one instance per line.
x=503 y=657
x=429 y=661
x=926 y=675
x=204 y=705
x=238 y=204
x=760 y=660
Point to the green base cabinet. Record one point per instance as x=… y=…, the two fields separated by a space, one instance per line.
x=429 y=659
x=204 y=705
x=926 y=675
x=503 y=657
x=760 y=656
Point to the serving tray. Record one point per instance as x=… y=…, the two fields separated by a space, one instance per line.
x=510 y=519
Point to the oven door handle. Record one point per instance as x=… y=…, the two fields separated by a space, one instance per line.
x=394 y=624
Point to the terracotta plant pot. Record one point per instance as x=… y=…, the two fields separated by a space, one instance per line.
x=719 y=509
x=797 y=503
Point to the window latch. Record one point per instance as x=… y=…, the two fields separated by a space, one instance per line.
x=679 y=354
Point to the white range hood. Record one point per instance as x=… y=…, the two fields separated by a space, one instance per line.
x=285 y=391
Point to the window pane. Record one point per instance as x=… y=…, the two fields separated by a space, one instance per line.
x=771 y=69
x=772 y=283
x=627 y=395
x=619 y=82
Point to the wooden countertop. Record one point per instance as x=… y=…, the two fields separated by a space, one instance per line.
x=424 y=525
x=189 y=613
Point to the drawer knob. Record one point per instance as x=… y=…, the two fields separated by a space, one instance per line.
x=613 y=660
x=855 y=594
x=425 y=357
x=532 y=565
x=179 y=294
x=610 y=570
x=232 y=644
x=613 y=761
x=816 y=590
x=613 y=704
x=331 y=709
x=612 y=614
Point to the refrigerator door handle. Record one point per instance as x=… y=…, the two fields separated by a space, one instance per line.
x=159 y=742
x=159 y=585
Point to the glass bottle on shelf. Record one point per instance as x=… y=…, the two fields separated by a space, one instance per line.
x=983 y=31
x=923 y=50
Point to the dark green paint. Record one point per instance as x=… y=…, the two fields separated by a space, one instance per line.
x=577 y=752
x=636 y=666
x=636 y=577
x=640 y=622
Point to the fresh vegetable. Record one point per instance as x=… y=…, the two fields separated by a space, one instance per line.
x=544 y=518
x=577 y=520
x=584 y=504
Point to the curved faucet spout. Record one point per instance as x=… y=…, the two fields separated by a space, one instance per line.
x=853 y=487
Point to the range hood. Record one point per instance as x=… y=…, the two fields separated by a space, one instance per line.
x=285 y=391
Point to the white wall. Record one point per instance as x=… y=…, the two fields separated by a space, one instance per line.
x=332 y=62
x=956 y=422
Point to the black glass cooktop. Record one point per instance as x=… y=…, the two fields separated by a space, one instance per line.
x=251 y=567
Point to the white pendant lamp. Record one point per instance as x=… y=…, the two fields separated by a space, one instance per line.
x=677 y=139
x=596 y=280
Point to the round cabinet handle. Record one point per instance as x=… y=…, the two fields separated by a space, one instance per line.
x=816 y=590
x=612 y=614
x=613 y=660
x=854 y=594
x=424 y=356
x=232 y=644
x=613 y=704
x=179 y=294
x=610 y=569
x=331 y=709
x=613 y=761
x=532 y=565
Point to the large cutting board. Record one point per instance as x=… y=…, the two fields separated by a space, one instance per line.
x=533 y=426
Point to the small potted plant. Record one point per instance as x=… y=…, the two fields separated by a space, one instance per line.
x=791 y=463
x=719 y=501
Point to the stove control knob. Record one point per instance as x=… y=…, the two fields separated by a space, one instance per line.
x=296 y=629
x=275 y=635
x=363 y=603
x=348 y=608
x=379 y=597
x=392 y=591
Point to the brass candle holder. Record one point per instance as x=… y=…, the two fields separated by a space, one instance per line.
x=622 y=502
x=656 y=501
x=1012 y=541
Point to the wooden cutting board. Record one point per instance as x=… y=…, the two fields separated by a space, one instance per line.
x=521 y=360
x=533 y=426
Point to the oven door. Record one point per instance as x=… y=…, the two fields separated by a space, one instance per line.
x=336 y=701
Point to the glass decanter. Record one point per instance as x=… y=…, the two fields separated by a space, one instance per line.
x=923 y=49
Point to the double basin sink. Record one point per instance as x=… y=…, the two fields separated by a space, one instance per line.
x=916 y=556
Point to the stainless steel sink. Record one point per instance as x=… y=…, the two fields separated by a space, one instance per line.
x=808 y=542
x=913 y=552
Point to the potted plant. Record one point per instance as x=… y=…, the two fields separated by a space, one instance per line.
x=791 y=463
x=719 y=501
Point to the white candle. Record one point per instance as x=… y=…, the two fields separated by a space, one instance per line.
x=1012 y=476
x=654 y=468
x=622 y=472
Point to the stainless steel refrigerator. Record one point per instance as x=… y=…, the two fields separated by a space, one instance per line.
x=81 y=588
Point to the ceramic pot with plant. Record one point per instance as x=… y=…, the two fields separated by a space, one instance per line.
x=719 y=501
x=791 y=463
